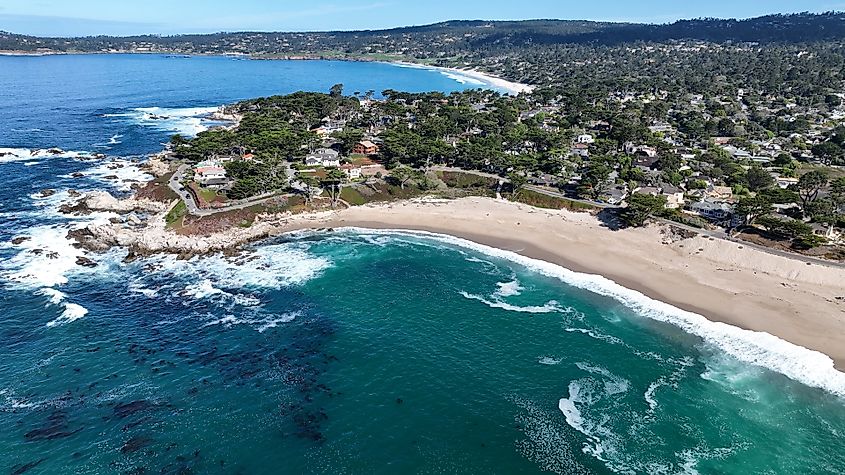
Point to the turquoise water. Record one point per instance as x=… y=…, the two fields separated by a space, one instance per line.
x=350 y=351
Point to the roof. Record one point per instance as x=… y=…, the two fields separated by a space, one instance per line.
x=205 y=170
x=366 y=143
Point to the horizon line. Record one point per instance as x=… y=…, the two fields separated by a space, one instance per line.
x=369 y=30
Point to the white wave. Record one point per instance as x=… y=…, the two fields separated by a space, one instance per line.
x=201 y=290
x=44 y=260
x=187 y=121
x=139 y=288
x=260 y=322
x=508 y=289
x=809 y=367
x=463 y=79
x=548 y=360
x=269 y=267
x=613 y=385
x=115 y=139
x=56 y=296
x=72 y=313
x=28 y=155
x=118 y=173
x=549 y=307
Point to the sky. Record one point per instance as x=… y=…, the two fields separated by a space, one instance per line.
x=167 y=17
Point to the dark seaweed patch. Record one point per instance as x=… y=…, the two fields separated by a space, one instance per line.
x=20 y=469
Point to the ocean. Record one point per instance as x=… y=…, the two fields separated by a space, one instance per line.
x=351 y=351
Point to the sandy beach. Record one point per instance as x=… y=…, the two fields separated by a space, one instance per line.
x=721 y=280
x=486 y=79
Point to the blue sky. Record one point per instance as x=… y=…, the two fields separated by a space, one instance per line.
x=126 y=17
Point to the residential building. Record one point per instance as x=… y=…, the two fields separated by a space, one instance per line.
x=365 y=147
x=352 y=172
x=714 y=210
x=323 y=157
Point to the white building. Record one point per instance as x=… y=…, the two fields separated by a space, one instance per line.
x=323 y=157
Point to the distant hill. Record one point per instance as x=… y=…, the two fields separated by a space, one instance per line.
x=456 y=37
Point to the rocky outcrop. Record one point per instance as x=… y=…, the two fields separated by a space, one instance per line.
x=155 y=166
x=155 y=237
x=103 y=201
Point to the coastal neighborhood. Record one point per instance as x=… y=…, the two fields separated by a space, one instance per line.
x=695 y=163
x=432 y=237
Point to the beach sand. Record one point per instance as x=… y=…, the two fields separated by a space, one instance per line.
x=721 y=280
x=488 y=80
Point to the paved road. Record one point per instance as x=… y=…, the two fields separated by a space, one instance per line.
x=705 y=232
x=193 y=209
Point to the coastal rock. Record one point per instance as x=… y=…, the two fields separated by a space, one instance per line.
x=77 y=175
x=73 y=193
x=155 y=166
x=20 y=239
x=47 y=192
x=85 y=262
x=103 y=201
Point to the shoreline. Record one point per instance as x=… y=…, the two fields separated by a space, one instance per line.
x=488 y=79
x=800 y=304
x=719 y=280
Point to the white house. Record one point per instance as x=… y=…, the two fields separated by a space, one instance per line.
x=211 y=176
x=324 y=157
x=353 y=172
x=585 y=138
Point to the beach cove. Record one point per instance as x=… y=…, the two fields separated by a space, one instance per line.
x=423 y=335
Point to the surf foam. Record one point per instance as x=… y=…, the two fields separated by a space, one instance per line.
x=806 y=366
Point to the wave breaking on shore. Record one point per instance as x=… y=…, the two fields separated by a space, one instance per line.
x=806 y=366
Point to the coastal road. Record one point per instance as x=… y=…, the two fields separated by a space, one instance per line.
x=186 y=196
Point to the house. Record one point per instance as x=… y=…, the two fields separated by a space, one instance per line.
x=581 y=149
x=674 y=196
x=716 y=192
x=616 y=194
x=585 y=138
x=324 y=157
x=211 y=176
x=644 y=162
x=784 y=182
x=641 y=151
x=352 y=172
x=714 y=210
x=647 y=190
x=365 y=147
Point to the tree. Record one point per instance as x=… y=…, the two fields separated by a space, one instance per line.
x=310 y=183
x=809 y=186
x=752 y=208
x=332 y=181
x=594 y=181
x=640 y=207
x=758 y=178
x=403 y=175
x=348 y=137
x=785 y=228
x=336 y=91
x=827 y=152
x=837 y=191
x=518 y=180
